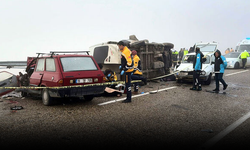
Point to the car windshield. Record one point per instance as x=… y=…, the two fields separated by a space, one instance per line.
x=232 y=55
x=190 y=59
x=242 y=48
x=207 y=48
x=77 y=64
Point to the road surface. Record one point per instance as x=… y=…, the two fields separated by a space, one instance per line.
x=174 y=117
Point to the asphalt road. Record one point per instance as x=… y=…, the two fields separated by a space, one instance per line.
x=174 y=117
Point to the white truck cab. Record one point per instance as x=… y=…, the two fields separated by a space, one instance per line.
x=185 y=69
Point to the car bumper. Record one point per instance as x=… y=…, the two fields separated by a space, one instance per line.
x=76 y=91
x=190 y=77
x=230 y=66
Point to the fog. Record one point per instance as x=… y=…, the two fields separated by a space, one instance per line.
x=30 y=26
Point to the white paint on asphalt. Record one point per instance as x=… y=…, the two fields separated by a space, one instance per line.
x=236 y=73
x=117 y=100
x=226 y=131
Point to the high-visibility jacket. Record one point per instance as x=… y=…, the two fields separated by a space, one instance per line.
x=126 y=60
x=185 y=52
x=244 y=55
x=175 y=53
x=137 y=65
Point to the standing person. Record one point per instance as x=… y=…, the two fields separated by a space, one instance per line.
x=219 y=67
x=197 y=65
x=243 y=57
x=167 y=59
x=231 y=50
x=227 y=51
x=127 y=66
x=181 y=53
x=185 y=52
x=175 y=55
x=137 y=73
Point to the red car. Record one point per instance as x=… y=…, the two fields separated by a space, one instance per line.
x=57 y=70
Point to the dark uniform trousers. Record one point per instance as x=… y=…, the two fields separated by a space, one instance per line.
x=128 y=85
x=196 y=78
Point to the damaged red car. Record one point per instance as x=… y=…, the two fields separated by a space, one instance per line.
x=58 y=69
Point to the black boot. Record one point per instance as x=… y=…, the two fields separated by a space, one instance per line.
x=126 y=101
x=225 y=87
x=193 y=88
x=199 y=88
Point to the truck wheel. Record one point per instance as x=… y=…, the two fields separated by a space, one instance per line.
x=208 y=80
x=88 y=97
x=47 y=100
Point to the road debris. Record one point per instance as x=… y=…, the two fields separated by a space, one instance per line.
x=16 y=108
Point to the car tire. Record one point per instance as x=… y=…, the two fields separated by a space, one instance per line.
x=24 y=94
x=47 y=100
x=208 y=80
x=237 y=65
x=88 y=97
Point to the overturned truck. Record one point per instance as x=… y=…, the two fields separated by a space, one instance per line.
x=156 y=58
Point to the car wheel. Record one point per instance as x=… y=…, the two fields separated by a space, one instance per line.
x=47 y=100
x=208 y=80
x=88 y=97
x=237 y=65
x=24 y=94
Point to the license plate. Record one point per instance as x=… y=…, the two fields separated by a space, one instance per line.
x=89 y=80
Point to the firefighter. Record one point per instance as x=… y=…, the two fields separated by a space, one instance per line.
x=126 y=67
x=243 y=57
x=137 y=73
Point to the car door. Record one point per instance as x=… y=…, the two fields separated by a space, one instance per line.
x=248 y=61
x=36 y=77
x=212 y=61
x=51 y=73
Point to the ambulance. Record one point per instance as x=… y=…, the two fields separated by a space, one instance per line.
x=243 y=45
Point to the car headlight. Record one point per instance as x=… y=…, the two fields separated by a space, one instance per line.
x=231 y=62
x=203 y=73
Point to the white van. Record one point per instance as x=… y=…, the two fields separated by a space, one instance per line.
x=185 y=69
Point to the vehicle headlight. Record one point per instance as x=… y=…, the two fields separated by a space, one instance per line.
x=231 y=62
x=203 y=73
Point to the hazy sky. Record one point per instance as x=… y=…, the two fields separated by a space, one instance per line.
x=30 y=26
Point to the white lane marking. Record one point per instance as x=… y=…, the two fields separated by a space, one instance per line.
x=236 y=73
x=226 y=131
x=117 y=100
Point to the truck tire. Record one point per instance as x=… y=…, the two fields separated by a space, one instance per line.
x=47 y=100
x=171 y=45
